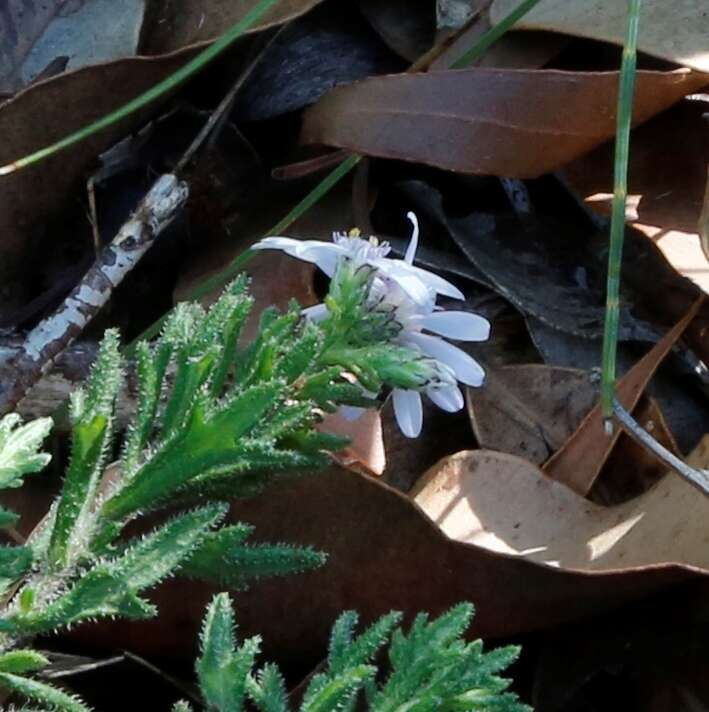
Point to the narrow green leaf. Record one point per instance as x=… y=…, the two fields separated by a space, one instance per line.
x=224 y=559
x=55 y=698
x=620 y=192
x=112 y=586
x=15 y=561
x=92 y=416
x=143 y=422
x=18 y=448
x=19 y=662
x=269 y=692
x=334 y=694
x=223 y=668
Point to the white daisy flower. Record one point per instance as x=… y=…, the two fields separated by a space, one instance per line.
x=457 y=365
x=410 y=293
x=415 y=281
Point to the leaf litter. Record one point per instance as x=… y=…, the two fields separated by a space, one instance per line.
x=482 y=506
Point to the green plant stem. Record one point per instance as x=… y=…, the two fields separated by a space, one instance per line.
x=192 y=67
x=620 y=190
x=493 y=34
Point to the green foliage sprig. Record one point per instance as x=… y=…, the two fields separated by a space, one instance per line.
x=431 y=668
x=214 y=419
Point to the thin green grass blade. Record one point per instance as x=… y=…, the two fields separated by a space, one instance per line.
x=192 y=67
x=620 y=190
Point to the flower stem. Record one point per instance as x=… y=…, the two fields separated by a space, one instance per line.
x=620 y=189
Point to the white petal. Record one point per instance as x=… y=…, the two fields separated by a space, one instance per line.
x=466 y=368
x=408 y=412
x=412 y=284
x=440 y=285
x=316 y=313
x=432 y=281
x=457 y=325
x=449 y=399
x=323 y=254
x=351 y=412
x=414 y=243
x=286 y=244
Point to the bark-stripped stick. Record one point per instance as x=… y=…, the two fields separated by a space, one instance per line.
x=52 y=335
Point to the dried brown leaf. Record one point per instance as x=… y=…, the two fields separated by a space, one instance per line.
x=385 y=553
x=578 y=463
x=529 y=410
x=514 y=123
x=179 y=23
x=505 y=504
x=667 y=180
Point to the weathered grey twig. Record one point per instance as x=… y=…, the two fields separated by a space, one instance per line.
x=52 y=335
x=697 y=478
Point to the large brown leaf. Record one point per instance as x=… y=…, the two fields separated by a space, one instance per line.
x=516 y=123
x=385 y=553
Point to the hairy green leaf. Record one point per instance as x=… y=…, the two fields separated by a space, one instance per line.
x=223 y=667
x=92 y=416
x=223 y=558
x=18 y=448
x=19 y=662
x=53 y=697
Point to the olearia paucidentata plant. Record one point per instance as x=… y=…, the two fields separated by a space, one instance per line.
x=430 y=669
x=214 y=419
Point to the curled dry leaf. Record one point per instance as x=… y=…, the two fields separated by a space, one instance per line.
x=529 y=410
x=504 y=504
x=676 y=31
x=673 y=385
x=505 y=122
